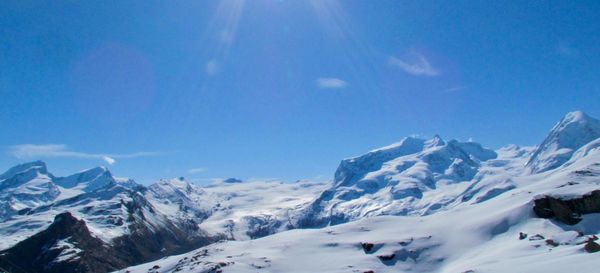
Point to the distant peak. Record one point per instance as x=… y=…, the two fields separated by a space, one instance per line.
x=435 y=141
x=39 y=165
x=510 y=147
x=232 y=180
x=94 y=171
x=89 y=179
x=575 y=117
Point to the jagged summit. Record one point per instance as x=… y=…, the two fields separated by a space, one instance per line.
x=436 y=152
x=572 y=132
x=410 y=177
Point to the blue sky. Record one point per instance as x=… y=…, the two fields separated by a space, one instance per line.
x=282 y=89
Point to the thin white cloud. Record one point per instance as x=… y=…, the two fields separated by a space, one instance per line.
x=28 y=151
x=197 y=170
x=415 y=64
x=109 y=160
x=331 y=83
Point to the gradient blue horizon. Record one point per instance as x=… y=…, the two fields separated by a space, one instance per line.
x=283 y=89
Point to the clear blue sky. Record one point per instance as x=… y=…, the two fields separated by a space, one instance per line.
x=282 y=89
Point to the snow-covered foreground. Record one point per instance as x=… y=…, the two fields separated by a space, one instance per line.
x=448 y=242
x=488 y=226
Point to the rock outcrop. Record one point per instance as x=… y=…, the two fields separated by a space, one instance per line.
x=65 y=246
x=567 y=211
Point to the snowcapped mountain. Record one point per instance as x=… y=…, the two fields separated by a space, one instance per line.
x=131 y=223
x=88 y=180
x=441 y=206
x=24 y=186
x=572 y=132
x=499 y=216
x=414 y=177
x=113 y=211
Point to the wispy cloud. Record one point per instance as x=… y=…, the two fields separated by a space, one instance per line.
x=331 y=83
x=415 y=64
x=108 y=159
x=28 y=151
x=197 y=170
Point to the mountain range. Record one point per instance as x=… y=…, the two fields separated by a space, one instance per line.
x=419 y=205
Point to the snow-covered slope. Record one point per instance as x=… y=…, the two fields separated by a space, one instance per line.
x=572 y=132
x=24 y=186
x=240 y=210
x=424 y=176
x=413 y=177
x=502 y=234
x=87 y=180
x=258 y=208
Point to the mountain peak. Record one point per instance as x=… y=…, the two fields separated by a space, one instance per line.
x=572 y=132
x=576 y=116
x=38 y=165
x=435 y=141
x=232 y=180
x=88 y=180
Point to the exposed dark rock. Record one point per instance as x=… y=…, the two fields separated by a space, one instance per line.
x=39 y=252
x=591 y=246
x=367 y=247
x=406 y=242
x=567 y=211
x=522 y=236
x=552 y=243
x=536 y=237
x=386 y=257
x=147 y=243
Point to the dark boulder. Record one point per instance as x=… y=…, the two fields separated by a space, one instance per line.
x=552 y=243
x=567 y=211
x=591 y=246
x=536 y=237
x=367 y=247
x=386 y=257
x=522 y=236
